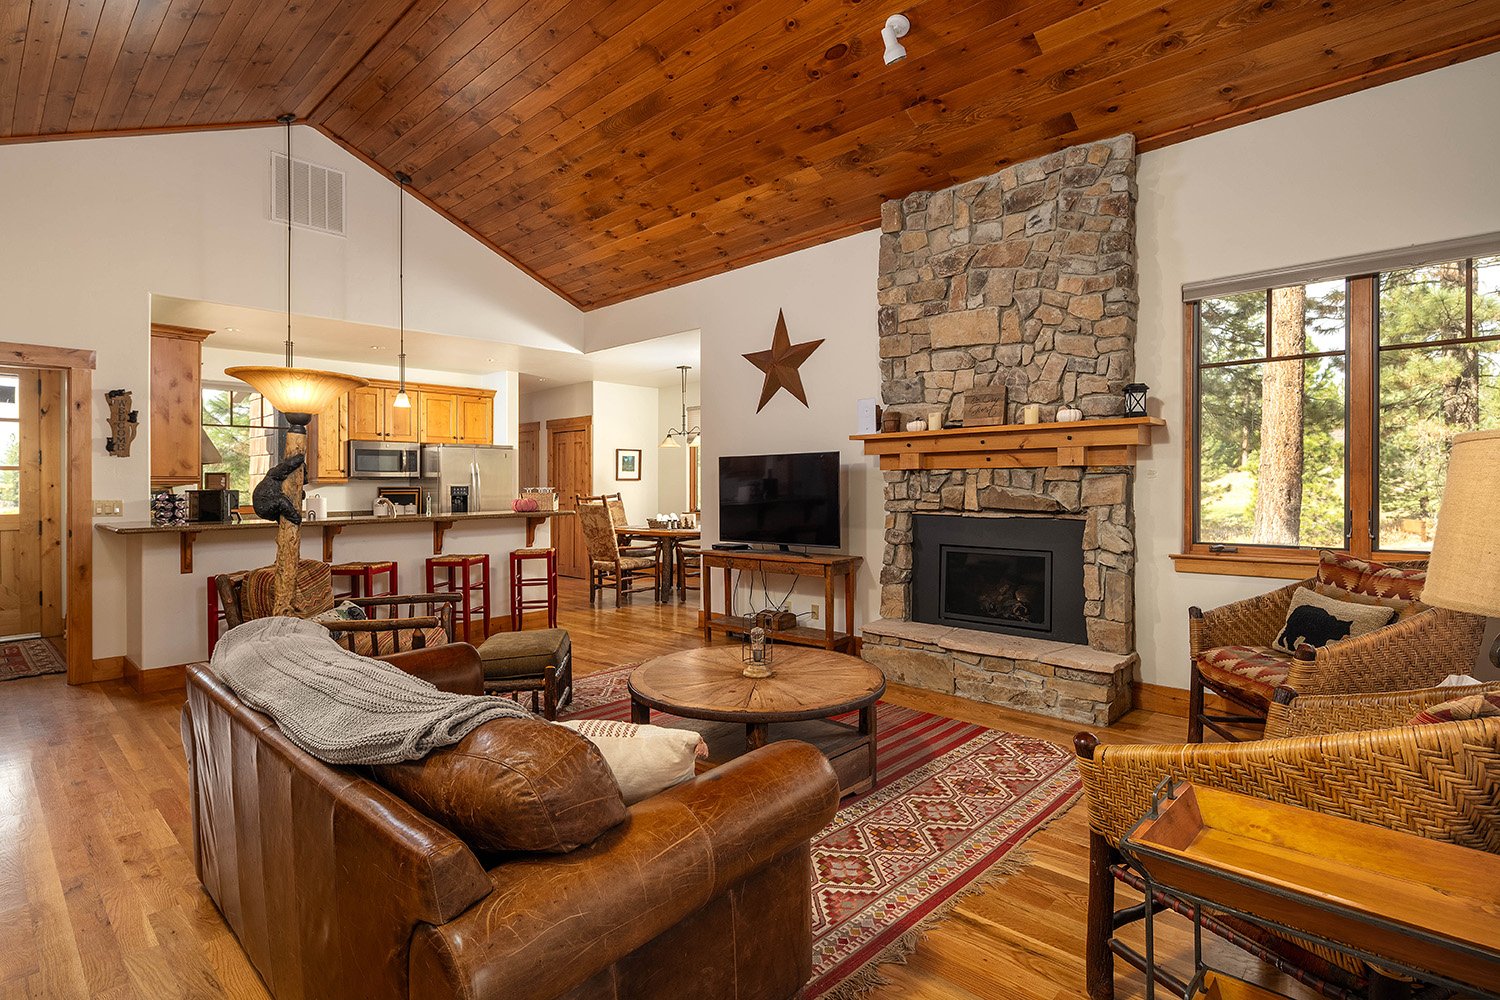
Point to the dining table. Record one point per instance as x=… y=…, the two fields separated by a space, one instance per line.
x=669 y=539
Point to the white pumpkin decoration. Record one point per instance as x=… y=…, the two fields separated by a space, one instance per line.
x=1069 y=414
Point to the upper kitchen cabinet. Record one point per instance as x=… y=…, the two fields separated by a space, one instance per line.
x=176 y=405
x=333 y=442
x=439 y=420
x=476 y=418
x=366 y=414
x=400 y=421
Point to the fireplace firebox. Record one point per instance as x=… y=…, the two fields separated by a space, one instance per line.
x=1017 y=575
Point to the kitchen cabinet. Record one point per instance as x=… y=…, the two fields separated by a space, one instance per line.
x=439 y=424
x=333 y=442
x=400 y=421
x=366 y=414
x=176 y=405
x=476 y=418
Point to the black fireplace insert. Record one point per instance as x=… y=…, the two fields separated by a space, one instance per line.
x=1018 y=575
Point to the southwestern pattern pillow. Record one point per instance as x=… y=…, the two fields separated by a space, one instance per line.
x=1318 y=621
x=1404 y=608
x=1474 y=706
x=1372 y=578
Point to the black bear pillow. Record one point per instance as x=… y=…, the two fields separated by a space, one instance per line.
x=1318 y=620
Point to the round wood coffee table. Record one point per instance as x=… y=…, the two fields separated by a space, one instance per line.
x=807 y=689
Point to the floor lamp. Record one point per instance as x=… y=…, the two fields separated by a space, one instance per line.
x=1463 y=572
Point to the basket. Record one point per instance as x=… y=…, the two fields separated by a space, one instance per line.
x=545 y=496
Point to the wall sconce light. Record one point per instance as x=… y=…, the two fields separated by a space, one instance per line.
x=896 y=26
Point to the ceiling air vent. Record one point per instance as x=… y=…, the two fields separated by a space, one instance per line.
x=317 y=195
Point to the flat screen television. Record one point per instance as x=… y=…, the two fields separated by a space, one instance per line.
x=781 y=500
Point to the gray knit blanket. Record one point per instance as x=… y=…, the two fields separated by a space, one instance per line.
x=341 y=707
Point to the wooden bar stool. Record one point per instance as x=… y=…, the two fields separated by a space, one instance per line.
x=466 y=586
x=362 y=578
x=519 y=602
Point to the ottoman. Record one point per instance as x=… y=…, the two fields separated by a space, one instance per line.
x=537 y=660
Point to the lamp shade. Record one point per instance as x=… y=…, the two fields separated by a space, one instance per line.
x=1463 y=573
x=296 y=390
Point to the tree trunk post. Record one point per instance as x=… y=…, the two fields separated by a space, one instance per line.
x=289 y=535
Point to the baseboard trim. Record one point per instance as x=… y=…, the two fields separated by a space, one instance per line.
x=157 y=679
x=106 y=668
x=1173 y=700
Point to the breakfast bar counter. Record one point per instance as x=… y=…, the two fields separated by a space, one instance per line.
x=167 y=569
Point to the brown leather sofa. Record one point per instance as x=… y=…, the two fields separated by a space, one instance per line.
x=338 y=888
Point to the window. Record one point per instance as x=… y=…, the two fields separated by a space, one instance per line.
x=243 y=427
x=1322 y=411
x=10 y=445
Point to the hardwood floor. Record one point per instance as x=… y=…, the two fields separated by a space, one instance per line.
x=98 y=897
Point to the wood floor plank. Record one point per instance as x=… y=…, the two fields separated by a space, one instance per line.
x=98 y=897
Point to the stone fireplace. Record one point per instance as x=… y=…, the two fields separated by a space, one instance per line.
x=1012 y=585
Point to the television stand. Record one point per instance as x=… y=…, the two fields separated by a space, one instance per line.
x=826 y=566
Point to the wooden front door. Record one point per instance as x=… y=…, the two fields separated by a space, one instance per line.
x=570 y=471
x=21 y=526
x=528 y=458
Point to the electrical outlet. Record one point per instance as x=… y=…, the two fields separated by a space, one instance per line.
x=109 y=508
x=815 y=609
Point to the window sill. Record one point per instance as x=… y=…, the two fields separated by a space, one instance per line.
x=1299 y=566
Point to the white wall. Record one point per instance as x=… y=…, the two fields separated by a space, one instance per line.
x=1407 y=163
x=576 y=400
x=828 y=293
x=92 y=227
x=625 y=416
x=672 y=463
x=1410 y=162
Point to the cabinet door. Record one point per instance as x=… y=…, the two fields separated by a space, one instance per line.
x=439 y=418
x=176 y=410
x=333 y=442
x=400 y=421
x=476 y=415
x=366 y=414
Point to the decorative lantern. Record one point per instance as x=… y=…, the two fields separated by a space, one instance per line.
x=756 y=653
x=1135 y=399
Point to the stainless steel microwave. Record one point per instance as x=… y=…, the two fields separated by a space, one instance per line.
x=384 y=460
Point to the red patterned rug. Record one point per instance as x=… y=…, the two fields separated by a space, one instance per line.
x=952 y=803
x=29 y=658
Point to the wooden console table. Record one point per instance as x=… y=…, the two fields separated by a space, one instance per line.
x=826 y=566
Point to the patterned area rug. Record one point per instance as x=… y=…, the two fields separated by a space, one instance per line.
x=952 y=804
x=29 y=658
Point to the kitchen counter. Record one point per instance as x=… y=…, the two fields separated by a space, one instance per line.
x=168 y=600
x=331 y=526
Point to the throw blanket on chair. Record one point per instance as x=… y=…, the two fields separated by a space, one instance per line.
x=341 y=707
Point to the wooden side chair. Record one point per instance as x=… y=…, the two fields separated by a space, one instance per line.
x=689 y=569
x=413 y=621
x=1354 y=756
x=608 y=565
x=616 y=504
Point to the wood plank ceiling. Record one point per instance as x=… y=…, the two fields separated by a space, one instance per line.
x=616 y=147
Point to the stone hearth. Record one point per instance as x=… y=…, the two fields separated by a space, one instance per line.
x=1026 y=279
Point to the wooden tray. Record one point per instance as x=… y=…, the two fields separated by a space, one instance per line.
x=1418 y=902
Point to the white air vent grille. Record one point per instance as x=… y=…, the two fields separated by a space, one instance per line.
x=317 y=195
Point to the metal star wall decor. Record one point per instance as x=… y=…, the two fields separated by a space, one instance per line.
x=780 y=364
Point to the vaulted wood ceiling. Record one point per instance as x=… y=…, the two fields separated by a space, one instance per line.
x=616 y=147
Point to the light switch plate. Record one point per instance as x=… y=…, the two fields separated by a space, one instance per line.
x=109 y=508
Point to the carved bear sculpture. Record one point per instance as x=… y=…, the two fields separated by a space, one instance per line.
x=270 y=500
x=1311 y=625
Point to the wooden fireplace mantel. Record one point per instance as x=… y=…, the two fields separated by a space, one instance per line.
x=1110 y=441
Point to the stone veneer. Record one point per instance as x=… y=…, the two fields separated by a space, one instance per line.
x=1025 y=278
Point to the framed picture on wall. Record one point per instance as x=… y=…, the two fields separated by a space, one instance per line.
x=627 y=464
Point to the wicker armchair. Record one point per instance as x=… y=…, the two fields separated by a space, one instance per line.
x=1349 y=756
x=246 y=596
x=1416 y=651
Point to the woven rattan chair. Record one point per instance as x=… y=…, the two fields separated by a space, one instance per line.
x=1350 y=756
x=412 y=621
x=1414 y=652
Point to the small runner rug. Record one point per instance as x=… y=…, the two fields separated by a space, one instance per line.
x=28 y=658
x=952 y=804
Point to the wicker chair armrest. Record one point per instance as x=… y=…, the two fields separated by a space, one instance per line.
x=1313 y=715
x=392 y=600
x=1440 y=781
x=1255 y=621
x=1414 y=653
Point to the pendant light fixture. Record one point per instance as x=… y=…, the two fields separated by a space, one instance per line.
x=689 y=433
x=297 y=393
x=402 y=400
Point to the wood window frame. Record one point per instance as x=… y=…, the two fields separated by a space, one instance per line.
x=1362 y=354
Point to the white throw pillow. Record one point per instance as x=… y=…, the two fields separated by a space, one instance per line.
x=644 y=759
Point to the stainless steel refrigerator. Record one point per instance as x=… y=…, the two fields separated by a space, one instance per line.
x=485 y=473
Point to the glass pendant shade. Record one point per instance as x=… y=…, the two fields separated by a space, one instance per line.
x=296 y=390
x=693 y=440
x=670 y=441
x=402 y=401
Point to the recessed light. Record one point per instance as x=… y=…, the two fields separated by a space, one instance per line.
x=231 y=329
